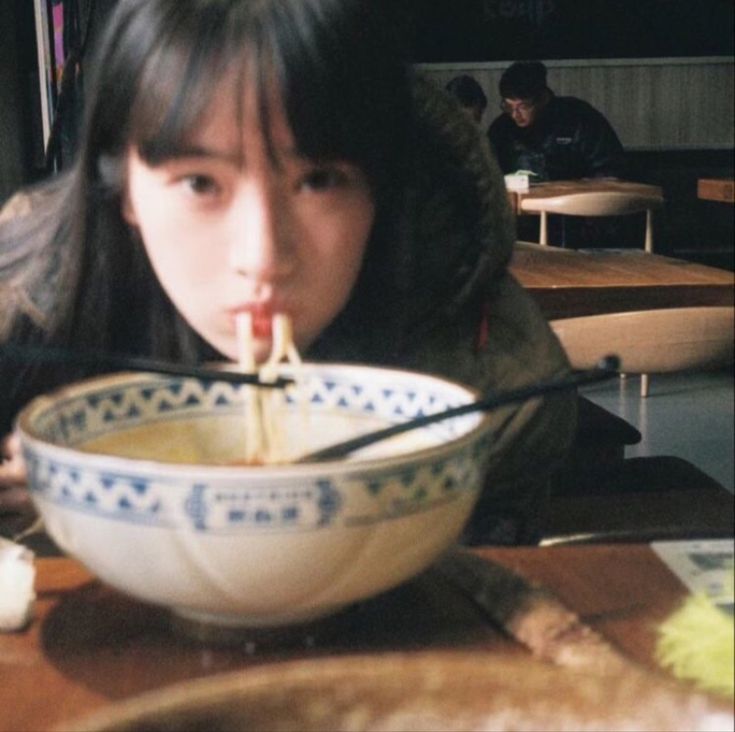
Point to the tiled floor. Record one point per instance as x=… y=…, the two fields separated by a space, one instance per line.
x=687 y=415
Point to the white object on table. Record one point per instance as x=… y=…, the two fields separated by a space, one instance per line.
x=17 y=576
x=517 y=182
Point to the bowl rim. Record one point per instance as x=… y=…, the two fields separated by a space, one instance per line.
x=278 y=471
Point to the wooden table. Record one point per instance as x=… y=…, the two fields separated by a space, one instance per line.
x=89 y=646
x=568 y=283
x=583 y=185
x=716 y=189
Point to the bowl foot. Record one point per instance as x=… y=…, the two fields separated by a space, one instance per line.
x=251 y=631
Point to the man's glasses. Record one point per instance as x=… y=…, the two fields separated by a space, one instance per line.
x=523 y=107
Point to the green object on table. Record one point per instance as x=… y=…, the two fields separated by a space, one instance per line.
x=697 y=643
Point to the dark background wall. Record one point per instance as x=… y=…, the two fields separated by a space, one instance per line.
x=20 y=147
x=489 y=30
x=689 y=228
x=22 y=153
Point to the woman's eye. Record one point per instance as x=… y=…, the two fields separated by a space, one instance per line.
x=321 y=179
x=201 y=185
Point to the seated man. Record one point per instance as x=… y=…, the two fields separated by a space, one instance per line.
x=555 y=138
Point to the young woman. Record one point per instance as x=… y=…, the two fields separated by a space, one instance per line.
x=278 y=156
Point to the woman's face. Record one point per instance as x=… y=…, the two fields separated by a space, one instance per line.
x=227 y=230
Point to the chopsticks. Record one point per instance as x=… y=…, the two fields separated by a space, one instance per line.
x=119 y=362
x=607 y=368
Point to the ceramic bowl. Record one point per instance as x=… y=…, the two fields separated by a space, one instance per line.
x=133 y=475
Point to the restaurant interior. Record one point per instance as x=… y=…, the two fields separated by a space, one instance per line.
x=640 y=529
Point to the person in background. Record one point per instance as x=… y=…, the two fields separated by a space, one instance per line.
x=555 y=138
x=469 y=94
x=281 y=156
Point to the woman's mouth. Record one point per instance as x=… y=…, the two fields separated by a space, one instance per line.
x=261 y=317
x=263 y=327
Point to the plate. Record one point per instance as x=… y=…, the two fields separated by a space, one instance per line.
x=443 y=690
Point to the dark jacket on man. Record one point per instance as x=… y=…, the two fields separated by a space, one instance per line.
x=570 y=139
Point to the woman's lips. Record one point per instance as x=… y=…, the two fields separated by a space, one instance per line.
x=261 y=318
x=262 y=325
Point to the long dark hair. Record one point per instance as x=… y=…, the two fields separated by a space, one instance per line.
x=341 y=73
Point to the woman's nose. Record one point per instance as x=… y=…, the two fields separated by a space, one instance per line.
x=260 y=228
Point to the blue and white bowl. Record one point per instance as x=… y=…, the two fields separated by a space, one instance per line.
x=133 y=475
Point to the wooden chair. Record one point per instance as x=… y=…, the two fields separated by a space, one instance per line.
x=651 y=341
x=594 y=203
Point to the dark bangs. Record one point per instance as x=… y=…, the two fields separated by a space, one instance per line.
x=201 y=47
x=336 y=63
x=155 y=75
x=344 y=83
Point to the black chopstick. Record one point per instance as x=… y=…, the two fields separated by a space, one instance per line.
x=607 y=368
x=113 y=361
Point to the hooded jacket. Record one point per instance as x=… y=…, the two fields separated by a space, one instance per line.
x=443 y=302
x=473 y=322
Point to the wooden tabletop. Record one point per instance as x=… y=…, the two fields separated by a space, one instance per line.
x=582 y=185
x=89 y=646
x=568 y=283
x=716 y=189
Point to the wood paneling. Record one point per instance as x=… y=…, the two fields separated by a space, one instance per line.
x=678 y=103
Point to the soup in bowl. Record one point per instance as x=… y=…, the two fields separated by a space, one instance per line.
x=141 y=478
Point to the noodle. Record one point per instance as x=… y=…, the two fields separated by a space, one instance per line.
x=264 y=436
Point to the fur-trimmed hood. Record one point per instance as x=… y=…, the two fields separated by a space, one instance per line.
x=459 y=231
x=446 y=252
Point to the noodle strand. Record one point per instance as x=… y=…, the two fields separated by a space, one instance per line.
x=265 y=443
